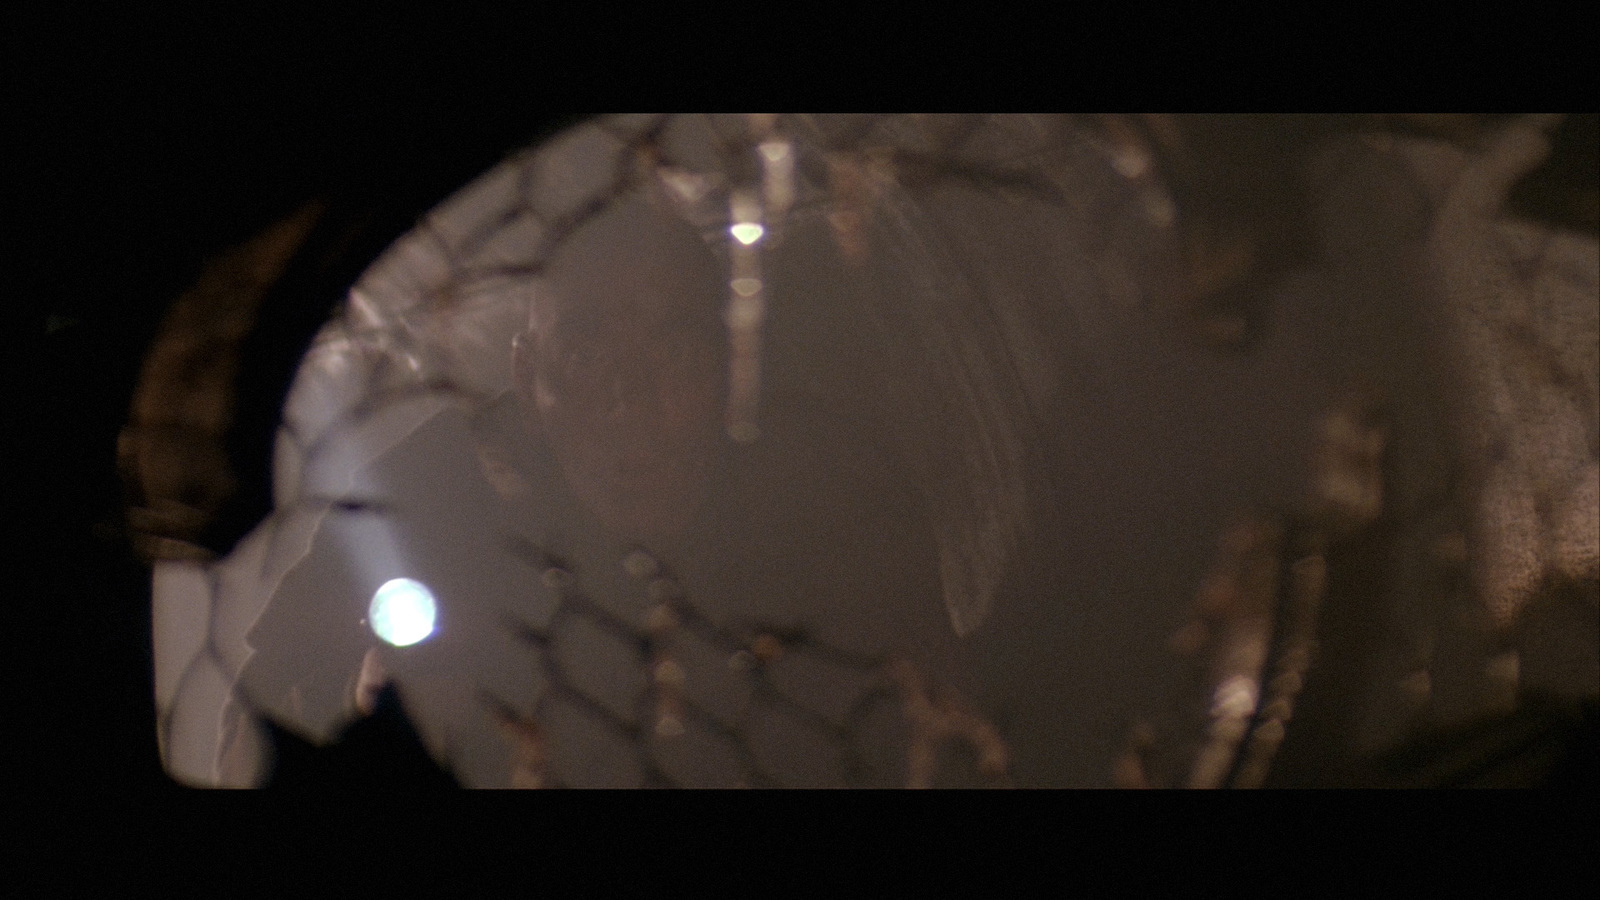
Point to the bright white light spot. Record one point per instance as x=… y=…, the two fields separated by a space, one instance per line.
x=747 y=232
x=402 y=612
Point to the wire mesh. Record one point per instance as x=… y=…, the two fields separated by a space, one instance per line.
x=940 y=335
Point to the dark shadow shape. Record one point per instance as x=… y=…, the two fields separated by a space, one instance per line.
x=381 y=752
x=1544 y=743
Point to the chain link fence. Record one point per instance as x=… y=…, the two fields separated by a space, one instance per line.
x=981 y=422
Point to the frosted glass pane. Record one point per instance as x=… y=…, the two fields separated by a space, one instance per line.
x=886 y=451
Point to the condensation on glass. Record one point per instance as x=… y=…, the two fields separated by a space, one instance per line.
x=760 y=450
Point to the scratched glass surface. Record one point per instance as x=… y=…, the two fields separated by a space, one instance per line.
x=816 y=451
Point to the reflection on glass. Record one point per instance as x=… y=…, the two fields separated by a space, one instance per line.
x=987 y=486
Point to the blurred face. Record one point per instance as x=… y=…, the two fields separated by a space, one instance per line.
x=625 y=375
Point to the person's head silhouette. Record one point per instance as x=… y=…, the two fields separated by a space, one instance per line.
x=622 y=370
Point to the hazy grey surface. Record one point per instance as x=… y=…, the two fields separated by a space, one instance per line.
x=984 y=326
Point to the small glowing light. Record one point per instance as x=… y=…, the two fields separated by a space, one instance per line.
x=662 y=618
x=1131 y=163
x=640 y=564
x=1235 y=698
x=746 y=312
x=746 y=287
x=1288 y=683
x=1417 y=685
x=747 y=232
x=1503 y=668
x=403 y=612
x=668 y=672
x=766 y=648
x=664 y=589
x=556 y=578
x=686 y=185
x=1160 y=209
x=1272 y=733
